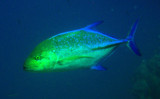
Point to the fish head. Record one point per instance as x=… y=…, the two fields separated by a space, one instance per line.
x=41 y=59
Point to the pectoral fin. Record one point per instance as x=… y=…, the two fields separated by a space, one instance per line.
x=112 y=44
x=71 y=59
x=104 y=47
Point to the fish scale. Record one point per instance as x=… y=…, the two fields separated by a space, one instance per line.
x=83 y=38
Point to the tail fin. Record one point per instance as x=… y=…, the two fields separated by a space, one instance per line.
x=130 y=38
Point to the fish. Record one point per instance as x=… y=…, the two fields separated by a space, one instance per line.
x=83 y=48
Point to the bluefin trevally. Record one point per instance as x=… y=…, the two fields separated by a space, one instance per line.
x=83 y=48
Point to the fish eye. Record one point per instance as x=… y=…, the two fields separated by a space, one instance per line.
x=37 y=57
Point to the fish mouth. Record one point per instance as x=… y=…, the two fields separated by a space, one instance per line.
x=25 y=68
x=28 y=69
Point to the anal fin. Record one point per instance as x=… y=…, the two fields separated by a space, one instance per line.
x=100 y=68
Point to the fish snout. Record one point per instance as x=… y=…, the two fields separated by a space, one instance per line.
x=25 y=67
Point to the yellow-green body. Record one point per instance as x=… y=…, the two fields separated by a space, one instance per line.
x=70 y=50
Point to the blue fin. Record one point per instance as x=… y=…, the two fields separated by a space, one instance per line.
x=130 y=38
x=98 y=68
x=93 y=25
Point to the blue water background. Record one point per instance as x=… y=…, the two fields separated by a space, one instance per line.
x=25 y=23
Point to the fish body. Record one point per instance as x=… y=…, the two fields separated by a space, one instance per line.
x=78 y=49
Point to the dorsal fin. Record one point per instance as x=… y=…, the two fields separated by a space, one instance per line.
x=91 y=26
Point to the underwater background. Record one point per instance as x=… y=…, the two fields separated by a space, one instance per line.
x=25 y=23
